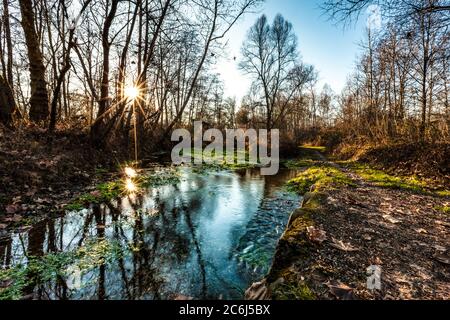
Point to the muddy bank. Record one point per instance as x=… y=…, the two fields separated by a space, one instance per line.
x=340 y=233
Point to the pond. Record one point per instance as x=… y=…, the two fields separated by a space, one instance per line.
x=208 y=237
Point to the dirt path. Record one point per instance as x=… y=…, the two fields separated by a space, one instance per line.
x=400 y=235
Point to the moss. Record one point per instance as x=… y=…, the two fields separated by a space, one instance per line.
x=315 y=200
x=300 y=292
x=44 y=269
x=385 y=180
x=298 y=164
x=158 y=179
x=106 y=192
x=323 y=178
x=443 y=193
x=320 y=149
x=444 y=209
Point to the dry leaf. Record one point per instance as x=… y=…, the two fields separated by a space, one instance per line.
x=391 y=219
x=442 y=258
x=13 y=208
x=3 y=226
x=340 y=290
x=316 y=235
x=96 y=193
x=340 y=245
x=180 y=297
x=440 y=248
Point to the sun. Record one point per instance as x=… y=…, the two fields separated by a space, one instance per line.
x=132 y=93
x=130 y=186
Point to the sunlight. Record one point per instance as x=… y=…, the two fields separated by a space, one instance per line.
x=130 y=172
x=132 y=93
x=130 y=186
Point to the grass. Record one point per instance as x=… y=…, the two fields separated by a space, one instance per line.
x=322 y=177
x=48 y=268
x=384 y=180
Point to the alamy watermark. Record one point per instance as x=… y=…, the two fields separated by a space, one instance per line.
x=239 y=146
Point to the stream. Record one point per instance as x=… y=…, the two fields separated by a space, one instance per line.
x=208 y=237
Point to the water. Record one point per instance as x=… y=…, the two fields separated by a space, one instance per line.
x=209 y=237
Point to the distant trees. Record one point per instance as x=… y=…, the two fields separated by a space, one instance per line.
x=349 y=10
x=399 y=90
x=270 y=56
x=81 y=55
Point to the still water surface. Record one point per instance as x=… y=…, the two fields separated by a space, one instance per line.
x=208 y=237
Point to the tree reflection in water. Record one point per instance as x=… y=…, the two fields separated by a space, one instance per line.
x=189 y=239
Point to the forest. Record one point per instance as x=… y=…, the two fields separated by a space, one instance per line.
x=91 y=206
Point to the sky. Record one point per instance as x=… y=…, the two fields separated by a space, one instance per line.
x=330 y=48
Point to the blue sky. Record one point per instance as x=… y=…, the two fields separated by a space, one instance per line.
x=331 y=49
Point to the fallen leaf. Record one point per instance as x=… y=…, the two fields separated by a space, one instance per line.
x=340 y=245
x=422 y=231
x=316 y=235
x=3 y=226
x=442 y=258
x=13 y=208
x=340 y=290
x=180 y=297
x=96 y=193
x=440 y=248
x=391 y=219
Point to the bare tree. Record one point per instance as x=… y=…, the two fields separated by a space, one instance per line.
x=39 y=94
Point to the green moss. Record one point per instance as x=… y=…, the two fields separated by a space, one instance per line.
x=320 y=149
x=443 y=209
x=158 y=179
x=443 y=193
x=211 y=162
x=106 y=192
x=44 y=269
x=384 y=180
x=323 y=178
x=300 y=292
x=299 y=163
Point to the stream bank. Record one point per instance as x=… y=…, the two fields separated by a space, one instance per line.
x=352 y=220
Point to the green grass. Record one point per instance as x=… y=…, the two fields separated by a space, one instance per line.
x=322 y=177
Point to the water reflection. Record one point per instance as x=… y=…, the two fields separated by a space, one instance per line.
x=208 y=237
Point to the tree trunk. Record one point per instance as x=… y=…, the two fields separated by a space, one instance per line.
x=7 y=103
x=39 y=95
x=97 y=134
x=9 y=68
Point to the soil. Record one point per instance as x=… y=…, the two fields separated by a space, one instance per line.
x=39 y=175
x=404 y=234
